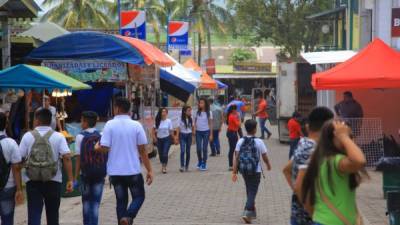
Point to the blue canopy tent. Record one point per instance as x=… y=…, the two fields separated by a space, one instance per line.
x=175 y=86
x=221 y=85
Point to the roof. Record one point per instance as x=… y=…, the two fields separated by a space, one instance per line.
x=327 y=57
x=376 y=66
x=206 y=81
x=44 y=31
x=228 y=69
x=20 y=8
x=38 y=78
x=327 y=13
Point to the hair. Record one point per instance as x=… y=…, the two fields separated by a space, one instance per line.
x=3 y=121
x=206 y=107
x=122 y=104
x=348 y=94
x=187 y=120
x=159 y=116
x=296 y=114
x=44 y=116
x=318 y=117
x=90 y=117
x=250 y=125
x=210 y=101
x=325 y=151
x=230 y=110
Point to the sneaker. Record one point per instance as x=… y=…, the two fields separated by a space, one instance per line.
x=246 y=219
x=203 y=167
x=198 y=165
x=213 y=155
x=269 y=135
x=182 y=170
x=126 y=221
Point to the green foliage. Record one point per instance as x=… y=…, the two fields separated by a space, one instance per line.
x=242 y=55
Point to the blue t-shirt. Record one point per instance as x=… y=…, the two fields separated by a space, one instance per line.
x=239 y=105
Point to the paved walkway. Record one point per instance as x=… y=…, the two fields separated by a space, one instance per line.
x=210 y=198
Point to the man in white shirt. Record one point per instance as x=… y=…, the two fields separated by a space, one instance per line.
x=53 y=111
x=125 y=140
x=47 y=192
x=11 y=188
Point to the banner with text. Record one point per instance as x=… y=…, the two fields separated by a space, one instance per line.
x=178 y=35
x=133 y=24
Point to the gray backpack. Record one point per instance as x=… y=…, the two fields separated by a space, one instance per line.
x=40 y=165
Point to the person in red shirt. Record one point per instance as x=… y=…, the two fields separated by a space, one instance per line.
x=262 y=115
x=295 y=132
x=233 y=121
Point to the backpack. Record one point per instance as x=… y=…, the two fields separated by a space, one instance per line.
x=5 y=167
x=40 y=165
x=93 y=164
x=248 y=157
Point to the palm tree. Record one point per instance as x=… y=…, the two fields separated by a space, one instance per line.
x=79 y=13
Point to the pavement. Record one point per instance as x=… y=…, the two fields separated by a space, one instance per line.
x=210 y=198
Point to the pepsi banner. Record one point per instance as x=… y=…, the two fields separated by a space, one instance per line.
x=178 y=35
x=133 y=24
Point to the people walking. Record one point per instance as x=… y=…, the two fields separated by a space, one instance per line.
x=164 y=134
x=248 y=154
x=91 y=167
x=218 y=118
x=125 y=140
x=333 y=175
x=233 y=122
x=262 y=115
x=295 y=133
x=43 y=175
x=10 y=175
x=203 y=124
x=185 y=134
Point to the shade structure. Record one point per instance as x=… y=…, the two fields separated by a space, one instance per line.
x=38 y=78
x=206 y=81
x=376 y=66
x=44 y=31
x=178 y=70
x=221 y=85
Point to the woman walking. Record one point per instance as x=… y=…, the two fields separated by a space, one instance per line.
x=233 y=121
x=163 y=133
x=329 y=186
x=203 y=124
x=185 y=133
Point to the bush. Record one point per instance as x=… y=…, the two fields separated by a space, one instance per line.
x=242 y=55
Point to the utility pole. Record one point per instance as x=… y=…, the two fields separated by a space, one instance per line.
x=209 y=29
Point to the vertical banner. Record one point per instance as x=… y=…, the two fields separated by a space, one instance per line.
x=210 y=67
x=178 y=35
x=133 y=24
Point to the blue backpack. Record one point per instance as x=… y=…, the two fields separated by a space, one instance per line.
x=248 y=157
x=93 y=164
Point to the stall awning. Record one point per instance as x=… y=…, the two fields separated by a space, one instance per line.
x=206 y=81
x=178 y=70
x=38 y=78
x=376 y=66
x=44 y=31
x=327 y=57
x=221 y=85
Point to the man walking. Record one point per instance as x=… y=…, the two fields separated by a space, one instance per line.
x=262 y=115
x=125 y=140
x=42 y=149
x=218 y=119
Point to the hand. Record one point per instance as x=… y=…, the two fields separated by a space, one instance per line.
x=149 y=178
x=211 y=138
x=341 y=130
x=269 y=168
x=234 y=177
x=70 y=187
x=97 y=147
x=19 y=197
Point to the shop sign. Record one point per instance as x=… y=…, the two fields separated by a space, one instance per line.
x=396 y=22
x=252 y=67
x=210 y=66
x=133 y=24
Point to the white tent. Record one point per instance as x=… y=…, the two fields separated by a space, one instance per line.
x=183 y=73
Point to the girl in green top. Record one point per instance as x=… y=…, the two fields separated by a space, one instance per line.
x=328 y=189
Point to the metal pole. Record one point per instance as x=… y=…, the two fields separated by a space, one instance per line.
x=167 y=47
x=119 y=14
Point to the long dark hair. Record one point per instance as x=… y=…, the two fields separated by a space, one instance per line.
x=159 y=116
x=187 y=120
x=325 y=151
x=206 y=107
x=230 y=111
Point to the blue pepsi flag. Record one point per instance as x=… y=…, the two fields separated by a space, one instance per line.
x=133 y=24
x=178 y=35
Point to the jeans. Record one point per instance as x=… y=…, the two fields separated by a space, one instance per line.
x=252 y=182
x=47 y=193
x=293 y=146
x=232 y=139
x=135 y=185
x=202 y=138
x=163 y=146
x=185 y=141
x=7 y=205
x=91 y=198
x=263 y=126
x=215 y=145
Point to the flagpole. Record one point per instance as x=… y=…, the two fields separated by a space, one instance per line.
x=119 y=15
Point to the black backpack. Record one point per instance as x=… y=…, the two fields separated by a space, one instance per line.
x=5 y=167
x=93 y=164
x=248 y=157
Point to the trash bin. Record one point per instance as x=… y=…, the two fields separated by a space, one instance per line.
x=76 y=191
x=391 y=177
x=393 y=207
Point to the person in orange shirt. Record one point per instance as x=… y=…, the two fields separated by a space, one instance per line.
x=295 y=132
x=262 y=115
x=233 y=121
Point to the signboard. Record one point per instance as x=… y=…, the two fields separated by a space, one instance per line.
x=252 y=67
x=133 y=24
x=396 y=22
x=178 y=35
x=210 y=67
x=145 y=74
x=90 y=70
x=185 y=52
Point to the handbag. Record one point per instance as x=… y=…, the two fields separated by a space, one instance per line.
x=325 y=199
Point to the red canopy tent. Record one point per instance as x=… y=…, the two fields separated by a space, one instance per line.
x=376 y=66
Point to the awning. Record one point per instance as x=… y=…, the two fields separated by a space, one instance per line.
x=244 y=76
x=44 y=31
x=206 y=81
x=183 y=73
x=327 y=13
x=327 y=57
x=221 y=85
x=38 y=78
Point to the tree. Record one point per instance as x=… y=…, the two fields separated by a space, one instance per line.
x=282 y=22
x=242 y=55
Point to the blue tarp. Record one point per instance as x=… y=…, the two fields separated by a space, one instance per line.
x=221 y=85
x=88 y=45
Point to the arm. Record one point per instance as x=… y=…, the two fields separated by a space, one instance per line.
x=235 y=166
x=67 y=162
x=298 y=190
x=287 y=172
x=146 y=163
x=19 y=195
x=266 y=161
x=77 y=167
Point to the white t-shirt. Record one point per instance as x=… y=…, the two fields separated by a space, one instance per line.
x=11 y=154
x=262 y=149
x=58 y=145
x=183 y=129
x=79 y=138
x=202 y=121
x=164 y=129
x=123 y=135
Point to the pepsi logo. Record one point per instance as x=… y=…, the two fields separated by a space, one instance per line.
x=127 y=33
x=173 y=40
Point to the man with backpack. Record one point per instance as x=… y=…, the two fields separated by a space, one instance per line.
x=10 y=175
x=91 y=166
x=248 y=154
x=42 y=149
x=125 y=139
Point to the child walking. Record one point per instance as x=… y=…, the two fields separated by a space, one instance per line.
x=248 y=154
x=185 y=134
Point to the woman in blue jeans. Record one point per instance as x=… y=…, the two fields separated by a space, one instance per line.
x=203 y=124
x=185 y=133
x=163 y=133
